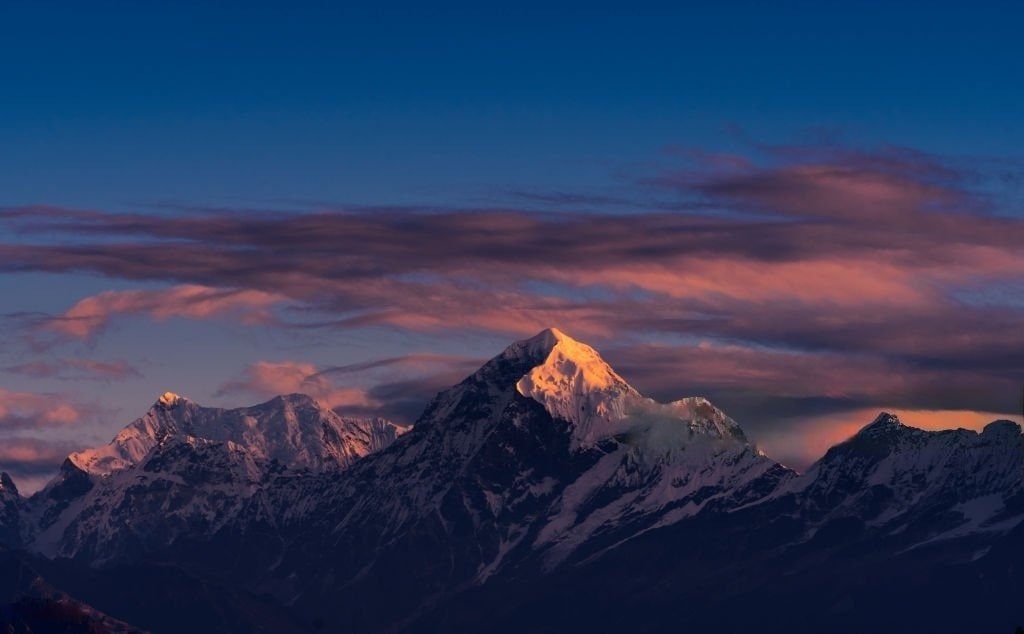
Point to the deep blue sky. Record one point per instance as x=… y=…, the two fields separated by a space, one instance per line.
x=850 y=122
x=121 y=104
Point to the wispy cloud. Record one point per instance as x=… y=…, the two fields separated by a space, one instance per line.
x=19 y=410
x=396 y=387
x=91 y=314
x=861 y=265
x=76 y=368
x=267 y=378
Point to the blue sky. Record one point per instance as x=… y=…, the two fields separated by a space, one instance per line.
x=229 y=113
x=124 y=104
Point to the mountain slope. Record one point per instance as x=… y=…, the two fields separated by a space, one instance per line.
x=182 y=471
x=921 y=485
x=897 y=529
x=541 y=478
x=294 y=430
x=542 y=457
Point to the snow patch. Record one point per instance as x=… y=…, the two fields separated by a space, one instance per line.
x=168 y=399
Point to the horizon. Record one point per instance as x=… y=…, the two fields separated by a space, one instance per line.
x=807 y=214
x=917 y=420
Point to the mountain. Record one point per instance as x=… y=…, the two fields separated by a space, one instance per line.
x=921 y=485
x=895 y=530
x=545 y=470
x=182 y=470
x=542 y=493
x=543 y=457
x=293 y=430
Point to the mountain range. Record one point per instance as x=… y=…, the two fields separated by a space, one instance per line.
x=542 y=493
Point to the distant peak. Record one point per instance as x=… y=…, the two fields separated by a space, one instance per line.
x=296 y=399
x=884 y=422
x=6 y=484
x=1002 y=429
x=539 y=346
x=168 y=400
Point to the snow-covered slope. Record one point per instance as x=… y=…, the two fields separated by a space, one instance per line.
x=935 y=484
x=574 y=384
x=293 y=429
x=542 y=457
x=183 y=487
x=539 y=468
x=182 y=470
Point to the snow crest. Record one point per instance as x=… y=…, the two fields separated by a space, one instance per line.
x=293 y=429
x=576 y=385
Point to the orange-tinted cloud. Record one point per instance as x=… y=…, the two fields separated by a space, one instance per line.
x=266 y=379
x=32 y=462
x=396 y=387
x=31 y=410
x=192 y=301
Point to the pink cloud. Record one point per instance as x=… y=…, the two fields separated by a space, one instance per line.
x=722 y=368
x=396 y=388
x=30 y=450
x=820 y=282
x=30 y=409
x=192 y=301
x=32 y=462
x=870 y=265
x=265 y=379
x=859 y=192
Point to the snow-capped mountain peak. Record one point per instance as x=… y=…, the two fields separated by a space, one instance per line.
x=293 y=429
x=545 y=458
x=888 y=469
x=538 y=346
x=575 y=384
x=168 y=400
x=884 y=424
x=183 y=468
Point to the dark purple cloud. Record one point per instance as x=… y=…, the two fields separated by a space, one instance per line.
x=33 y=410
